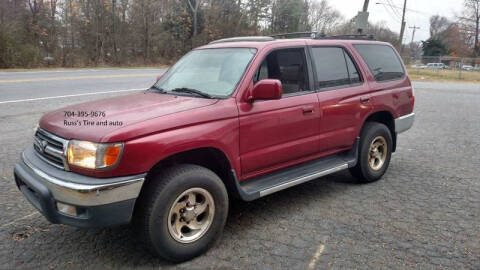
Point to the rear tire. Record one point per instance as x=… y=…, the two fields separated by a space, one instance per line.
x=375 y=151
x=182 y=212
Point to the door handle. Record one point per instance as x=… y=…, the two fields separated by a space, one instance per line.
x=307 y=110
x=364 y=100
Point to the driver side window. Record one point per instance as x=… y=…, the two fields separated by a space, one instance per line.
x=288 y=66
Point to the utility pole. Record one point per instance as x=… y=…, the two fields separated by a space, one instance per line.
x=413 y=31
x=365 y=5
x=362 y=18
x=402 y=29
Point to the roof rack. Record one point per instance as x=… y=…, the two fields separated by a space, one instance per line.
x=312 y=35
x=296 y=35
x=361 y=37
x=247 y=38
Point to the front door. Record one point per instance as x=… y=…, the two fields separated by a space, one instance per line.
x=274 y=133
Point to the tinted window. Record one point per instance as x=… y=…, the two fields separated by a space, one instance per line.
x=288 y=66
x=352 y=70
x=262 y=72
x=330 y=66
x=382 y=61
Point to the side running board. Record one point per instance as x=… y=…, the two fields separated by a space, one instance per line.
x=255 y=188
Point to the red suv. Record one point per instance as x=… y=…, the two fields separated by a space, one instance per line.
x=239 y=117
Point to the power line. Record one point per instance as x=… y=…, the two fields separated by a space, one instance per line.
x=399 y=8
x=394 y=17
x=391 y=5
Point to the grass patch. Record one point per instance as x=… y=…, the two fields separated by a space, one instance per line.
x=443 y=75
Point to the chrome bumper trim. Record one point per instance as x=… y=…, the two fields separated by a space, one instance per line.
x=88 y=195
x=404 y=122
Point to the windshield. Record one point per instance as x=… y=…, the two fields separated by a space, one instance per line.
x=215 y=72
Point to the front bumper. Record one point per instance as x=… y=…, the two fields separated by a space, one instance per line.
x=99 y=202
x=404 y=122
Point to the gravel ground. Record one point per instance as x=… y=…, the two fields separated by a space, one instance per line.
x=423 y=214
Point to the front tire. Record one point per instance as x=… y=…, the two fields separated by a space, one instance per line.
x=375 y=151
x=182 y=212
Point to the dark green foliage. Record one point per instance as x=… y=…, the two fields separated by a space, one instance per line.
x=434 y=47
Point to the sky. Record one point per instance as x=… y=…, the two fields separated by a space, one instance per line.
x=418 y=13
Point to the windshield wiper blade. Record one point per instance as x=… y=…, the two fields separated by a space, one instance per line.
x=191 y=91
x=157 y=89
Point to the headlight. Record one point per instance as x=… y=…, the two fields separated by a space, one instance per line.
x=93 y=155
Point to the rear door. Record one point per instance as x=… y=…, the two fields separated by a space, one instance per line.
x=390 y=88
x=343 y=97
x=276 y=133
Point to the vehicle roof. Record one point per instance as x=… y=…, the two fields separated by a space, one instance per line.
x=289 y=42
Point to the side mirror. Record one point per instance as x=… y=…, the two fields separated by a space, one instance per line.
x=159 y=77
x=266 y=89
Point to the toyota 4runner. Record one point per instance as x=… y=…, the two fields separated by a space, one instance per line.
x=240 y=117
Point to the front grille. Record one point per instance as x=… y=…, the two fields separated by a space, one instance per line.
x=50 y=148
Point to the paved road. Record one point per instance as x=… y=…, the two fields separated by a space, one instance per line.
x=424 y=214
x=39 y=84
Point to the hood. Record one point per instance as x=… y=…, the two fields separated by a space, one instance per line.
x=114 y=113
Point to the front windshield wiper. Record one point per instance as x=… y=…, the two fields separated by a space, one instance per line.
x=191 y=91
x=157 y=89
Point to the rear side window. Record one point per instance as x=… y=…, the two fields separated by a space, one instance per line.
x=382 y=61
x=334 y=67
x=352 y=70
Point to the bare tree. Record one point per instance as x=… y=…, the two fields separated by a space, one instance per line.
x=114 y=33
x=415 y=50
x=257 y=12
x=322 y=17
x=438 y=24
x=35 y=6
x=471 y=19
x=96 y=32
x=194 y=6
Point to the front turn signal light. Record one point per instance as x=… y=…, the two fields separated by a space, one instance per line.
x=111 y=154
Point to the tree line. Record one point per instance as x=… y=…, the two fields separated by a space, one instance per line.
x=71 y=33
x=458 y=37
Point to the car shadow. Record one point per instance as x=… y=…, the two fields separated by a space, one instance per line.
x=242 y=217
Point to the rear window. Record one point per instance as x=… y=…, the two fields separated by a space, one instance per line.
x=382 y=61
